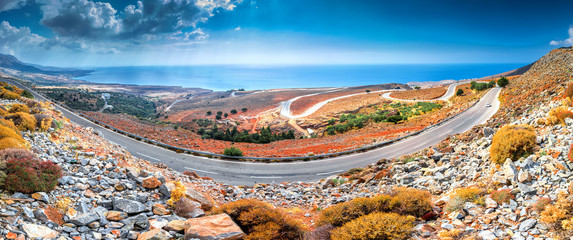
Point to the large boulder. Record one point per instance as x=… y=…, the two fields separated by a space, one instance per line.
x=219 y=227
x=34 y=231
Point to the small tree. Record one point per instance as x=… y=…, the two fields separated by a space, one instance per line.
x=502 y=82
x=226 y=115
x=233 y=151
x=417 y=87
x=219 y=113
x=367 y=90
x=459 y=92
x=234 y=111
x=244 y=109
x=218 y=117
x=209 y=113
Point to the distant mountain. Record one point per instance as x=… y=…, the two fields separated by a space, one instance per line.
x=11 y=62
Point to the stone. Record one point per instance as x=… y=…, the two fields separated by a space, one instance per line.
x=188 y=208
x=151 y=182
x=490 y=203
x=176 y=225
x=487 y=235
x=523 y=176
x=197 y=197
x=447 y=226
x=159 y=209
x=128 y=206
x=137 y=222
x=527 y=224
x=219 y=226
x=41 y=196
x=487 y=131
x=526 y=189
x=116 y=215
x=155 y=234
x=83 y=219
x=510 y=170
x=38 y=231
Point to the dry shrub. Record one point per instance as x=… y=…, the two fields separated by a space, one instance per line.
x=559 y=216
x=19 y=108
x=9 y=124
x=11 y=143
x=24 y=121
x=542 y=203
x=319 y=233
x=452 y=234
x=177 y=193
x=13 y=153
x=376 y=226
x=512 y=141
x=260 y=220
x=9 y=95
x=463 y=195
x=502 y=196
x=568 y=93
x=31 y=103
x=558 y=115
x=570 y=155
x=43 y=121
x=407 y=201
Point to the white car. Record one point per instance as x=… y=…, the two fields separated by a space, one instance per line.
x=488 y=105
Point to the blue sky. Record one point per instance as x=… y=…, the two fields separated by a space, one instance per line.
x=188 y=32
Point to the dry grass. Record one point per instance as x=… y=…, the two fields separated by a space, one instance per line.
x=420 y=94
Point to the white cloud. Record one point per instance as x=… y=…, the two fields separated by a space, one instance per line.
x=13 y=38
x=238 y=28
x=566 y=42
x=6 y=5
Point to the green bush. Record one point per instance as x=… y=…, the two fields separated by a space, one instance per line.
x=502 y=196
x=260 y=220
x=233 y=151
x=376 y=226
x=502 y=82
x=459 y=92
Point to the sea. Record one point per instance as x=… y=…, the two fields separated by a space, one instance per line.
x=249 y=77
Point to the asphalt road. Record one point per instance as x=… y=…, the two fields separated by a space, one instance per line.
x=248 y=173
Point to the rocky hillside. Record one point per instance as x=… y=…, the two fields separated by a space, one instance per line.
x=478 y=188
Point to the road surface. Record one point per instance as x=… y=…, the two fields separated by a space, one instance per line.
x=249 y=173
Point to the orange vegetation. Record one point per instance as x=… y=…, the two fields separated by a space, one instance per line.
x=420 y=94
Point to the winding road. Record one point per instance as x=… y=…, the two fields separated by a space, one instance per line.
x=249 y=173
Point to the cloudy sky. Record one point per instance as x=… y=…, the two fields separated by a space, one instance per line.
x=187 y=32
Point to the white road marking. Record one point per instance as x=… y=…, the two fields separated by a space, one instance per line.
x=147 y=156
x=197 y=170
x=270 y=177
x=329 y=173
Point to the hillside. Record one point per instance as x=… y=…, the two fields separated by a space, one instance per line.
x=11 y=62
x=461 y=189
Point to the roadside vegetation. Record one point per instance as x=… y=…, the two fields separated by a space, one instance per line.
x=391 y=113
x=266 y=135
x=83 y=100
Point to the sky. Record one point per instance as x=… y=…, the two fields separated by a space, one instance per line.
x=87 y=33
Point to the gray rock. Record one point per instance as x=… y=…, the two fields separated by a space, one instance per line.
x=128 y=206
x=487 y=235
x=138 y=222
x=525 y=189
x=527 y=224
x=83 y=219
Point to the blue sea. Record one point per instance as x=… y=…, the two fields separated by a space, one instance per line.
x=224 y=77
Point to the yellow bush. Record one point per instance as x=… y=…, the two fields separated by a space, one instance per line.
x=11 y=143
x=9 y=124
x=407 y=201
x=24 y=121
x=512 y=141
x=559 y=216
x=19 y=108
x=376 y=226
x=261 y=220
x=9 y=95
x=177 y=193
x=558 y=115
x=462 y=195
x=452 y=234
